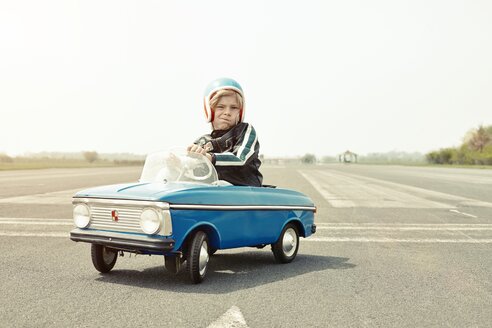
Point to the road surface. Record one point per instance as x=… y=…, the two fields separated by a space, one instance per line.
x=395 y=247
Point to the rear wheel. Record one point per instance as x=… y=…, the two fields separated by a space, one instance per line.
x=198 y=256
x=285 y=248
x=103 y=258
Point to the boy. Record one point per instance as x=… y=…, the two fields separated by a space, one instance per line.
x=233 y=146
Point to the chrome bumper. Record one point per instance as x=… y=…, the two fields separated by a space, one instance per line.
x=123 y=241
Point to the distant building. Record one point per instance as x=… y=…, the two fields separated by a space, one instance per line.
x=347 y=157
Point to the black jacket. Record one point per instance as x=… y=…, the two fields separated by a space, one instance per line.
x=235 y=154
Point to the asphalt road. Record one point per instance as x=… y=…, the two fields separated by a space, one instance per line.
x=395 y=247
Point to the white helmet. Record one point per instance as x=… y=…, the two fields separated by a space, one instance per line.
x=216 y=85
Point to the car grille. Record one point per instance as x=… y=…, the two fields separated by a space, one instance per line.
x=128 y=218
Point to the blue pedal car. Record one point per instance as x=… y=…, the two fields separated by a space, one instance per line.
x=181 y=210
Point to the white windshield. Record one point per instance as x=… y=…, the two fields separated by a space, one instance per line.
x=178 y=166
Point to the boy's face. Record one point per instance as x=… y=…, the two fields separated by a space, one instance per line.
x=226 y=113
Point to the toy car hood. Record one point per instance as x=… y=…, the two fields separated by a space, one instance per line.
x=190 y=193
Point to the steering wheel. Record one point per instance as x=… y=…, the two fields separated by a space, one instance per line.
x=190 y=171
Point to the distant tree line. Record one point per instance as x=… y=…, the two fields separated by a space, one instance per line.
x=475 y=150
x=4 y=158
x=393 y=157
x=90 y=156
x=56 y=159
x=93 y=156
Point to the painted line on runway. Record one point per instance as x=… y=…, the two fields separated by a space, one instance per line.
x=71 y=173
x=378 y=224
x=41 y=234
x=319 y=224
x=233 y=318
x=311 y=239
x=409 y=228
x=49 y=198
x=37 y=223
x=345 y=190
x=465 y=214
x=35 y=219
x=422 y=191
x=398 y=240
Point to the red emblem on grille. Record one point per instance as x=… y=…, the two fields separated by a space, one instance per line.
x=114 y=215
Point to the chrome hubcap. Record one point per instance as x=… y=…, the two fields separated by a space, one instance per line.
x=203 y=261
x=289 y=242
x=108 y=256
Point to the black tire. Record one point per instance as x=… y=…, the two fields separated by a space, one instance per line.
x=198 y=256
x=103 y=258
x=286 y=247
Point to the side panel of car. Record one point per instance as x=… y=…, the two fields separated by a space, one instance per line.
x=238 y=228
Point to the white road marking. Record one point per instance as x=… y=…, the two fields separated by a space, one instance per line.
x=233 y=318
x=351 y=190
x=397 y=240
x=391 y=229
x=408 y=228
x=225 y=271
x=379 y=224
x=70 y=173
x=319 y=187
x=37 y=234
x=465 y=214
x=426 y=192
x=35 y=220
x=382 y=227
x=475 y=177
x=57 y=197
x=310 y=239
x=37 y=223
x=342 y=191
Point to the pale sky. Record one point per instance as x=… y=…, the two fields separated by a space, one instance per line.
x=318 y=76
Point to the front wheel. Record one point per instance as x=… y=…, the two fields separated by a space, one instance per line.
x=198 y=256
x=285 y=248
x=103 y=258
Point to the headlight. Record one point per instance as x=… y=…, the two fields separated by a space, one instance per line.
x=150 y=221
x=81 y=216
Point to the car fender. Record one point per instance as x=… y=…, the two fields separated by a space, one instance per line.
x=211 y=231
x=299 y=225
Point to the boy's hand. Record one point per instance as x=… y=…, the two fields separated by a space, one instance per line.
x=197 y=149
x=201 y=150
